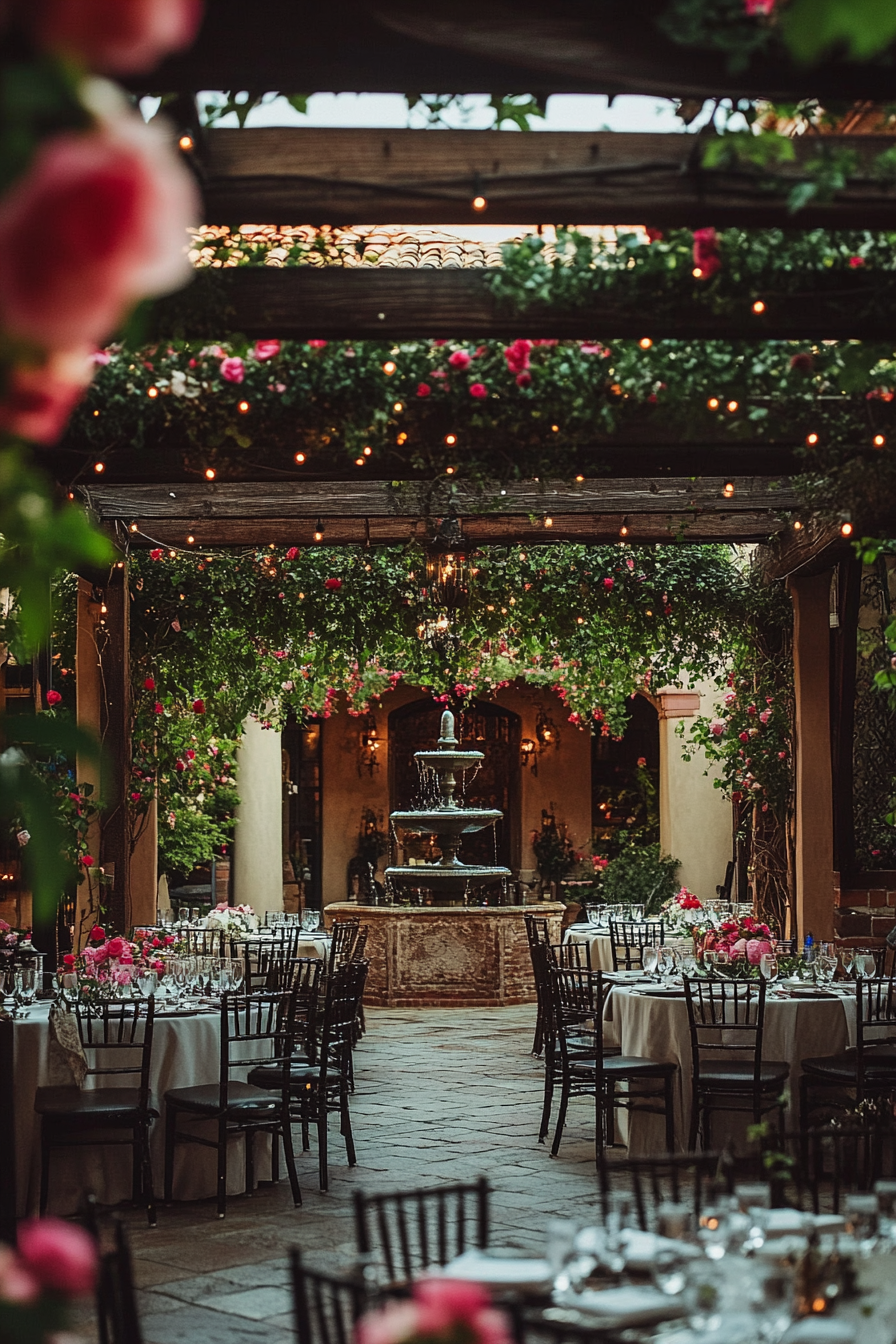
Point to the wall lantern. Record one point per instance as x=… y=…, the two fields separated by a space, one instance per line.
x=546 y=731
x=529 y=755
x=370 y=744
x=447 y=573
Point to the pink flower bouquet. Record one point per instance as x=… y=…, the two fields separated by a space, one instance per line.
x=440 y=1311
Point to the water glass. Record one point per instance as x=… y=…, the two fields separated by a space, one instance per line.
x=768 y=967
x=847 y=961
x=559 y=1248
x=669 y=1268
x=636 y=913
x=825 y=966
x=183 y=914
x=237 y=973
x=311 y=921
x=25 y=987
x=714 y=1230
x=666 y=961
x=593 y=913
x=675 y=1221
x=689 y=963
x=866 y=965
x=649 y=959
x=194 y=914
x=147 y=982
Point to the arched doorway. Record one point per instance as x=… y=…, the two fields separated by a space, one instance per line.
x=484 y=727
x=625 y=793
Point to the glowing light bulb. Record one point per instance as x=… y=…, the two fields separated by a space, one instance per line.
x=389 y=367
x=152 y=392
x=449 y=471
x=133 y=528
x=367 y=452
x=451 y=440
x=359 y=461
x=210 y=473
x=580 y=479
x=548 y=522
x=645 y=342
x=728 y=489
x=732 y=406
x=185 y=143
x=300 y=458
x=398 y=407
x=811 y=440
x=713 y=403
x=555 y=429
x=242 y=407
x=99 y=468
x=479 y=203
x=191 y=539
x=846 y=529
x=697 y=273
x=797 y=525
x=758 y=307
x=623 y=531
x=878 y=440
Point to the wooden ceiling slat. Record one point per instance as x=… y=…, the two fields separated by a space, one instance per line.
x=335 y=303
x=334 y=176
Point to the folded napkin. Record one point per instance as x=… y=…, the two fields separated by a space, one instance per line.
x=499 y=1271
x=626 y=1306
x=66 y=1060
x=820 y=1330
x=790 y=1222
x=640 y=1249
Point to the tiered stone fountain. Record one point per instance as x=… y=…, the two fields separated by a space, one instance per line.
x=448 y=878
x=449 y=953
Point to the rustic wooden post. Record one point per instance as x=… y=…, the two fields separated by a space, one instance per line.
x=113 y=639
x=814 y=776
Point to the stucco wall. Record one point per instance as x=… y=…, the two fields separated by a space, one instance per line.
x=695 y=817
x=564 y=779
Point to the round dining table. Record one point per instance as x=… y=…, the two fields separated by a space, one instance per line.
x=655 y=1026
x=597 y=938
x=186 y=1052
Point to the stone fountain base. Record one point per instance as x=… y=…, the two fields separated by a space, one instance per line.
x=443 y=956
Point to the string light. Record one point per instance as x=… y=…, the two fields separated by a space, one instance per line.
x=152 y=391
x=697 y=273
x=449 y=471
x=623 y=531
x=645 y=342
x=319 y=531
x=846 y=529
x=878 y=440
x=451 y=440
x=359 y=461
x=548 y=522
x=580 y=620
x=71 y=494
x=400 y=439
x=811 y=440
x=242 y=407
x=191 y=539
x=580 y=479
x=728 y=489
x=99 y=468
x=300 y=458
x=732 y=406
x=96 y=412
x=389 y=367
x=368 y=451
x=479 y=203
x=172 y=555
x=185 y=143
x=758 y=307
x=797 y=525
x=398 y=407
x=713 y=403
x=133 y=528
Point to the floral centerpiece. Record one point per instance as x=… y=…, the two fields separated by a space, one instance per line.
x=684 y=913
x=743 y=939
x=53 y=1263
x=233 y=918
x=439 y=1311
x=108 y=966
x=10 y=940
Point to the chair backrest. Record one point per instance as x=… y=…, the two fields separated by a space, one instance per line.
x=345 y=991
x=360 y=946
x=116 y=1299
x=841 y=1158
x=204 y=942
x=268 y=961
x=115 y=1045
x=248 y=1021
x=578 y=998
x=413 y=1229
x=344 y=932
x=572 y=954
x=726 y=1018
x=875 y=1015
x=628 y=938
x=682 y=1178
x=326 y=1307
x=536 y=929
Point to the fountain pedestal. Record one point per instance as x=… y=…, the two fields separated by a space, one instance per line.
x=448 y=956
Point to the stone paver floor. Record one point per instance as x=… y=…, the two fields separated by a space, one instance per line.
x=441 y=1095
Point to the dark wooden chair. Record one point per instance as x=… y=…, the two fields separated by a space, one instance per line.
x=8 y=1199
x=118 y=1320
x=317 y=1089
x=410 y=1230
x=117 y=1041
x=204 y=942
x=726 y=1020
x=680 y=1178
x=576 y=955
x=268 y=962
x=240 y=1109
x=845 y=1158
x=628 y=939
x=344 y=933
x=326 y=1307
x=579 y=997
x=868 y=1070
x=537 y=932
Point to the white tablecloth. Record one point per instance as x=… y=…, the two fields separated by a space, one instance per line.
x=185 y=1053
x=657 y=1028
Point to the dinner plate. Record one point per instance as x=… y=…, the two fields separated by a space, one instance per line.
x=621 y=1308
x=661 y=991
x=810 y=992
x=501 y=1269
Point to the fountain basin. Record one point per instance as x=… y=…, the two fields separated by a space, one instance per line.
x=449 y=760
x=446 y=820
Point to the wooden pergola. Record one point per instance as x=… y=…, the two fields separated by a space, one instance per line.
x=328 y=177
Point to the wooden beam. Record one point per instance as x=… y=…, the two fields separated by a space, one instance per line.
x=483 y=46
x=334 y=303
x=291 y=175
x=813 y=549
x=372 y=512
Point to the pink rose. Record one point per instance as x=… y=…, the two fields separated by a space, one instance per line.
x=608 y=584
x=17 y=1284
x=233 y=370
x=754 y=7
x=717 y=727
x=292 y=552
x=39 y=398
x=459 y=359
x=478 y=390
x=53 y=698
x=87 y=860
x=61 y=1256
x=423 y=389
x=116 y=947
x=517 y=356
x=158 y=708
x=706 y=253
x=266 y=350
x=446 y=1301
x=316 y=345
x=332 y=585
x=117 y=36
x=198 y=706
x=743 y=737
x=97 y=935
x=757 y=949
x=97 y=223
x=524 y=379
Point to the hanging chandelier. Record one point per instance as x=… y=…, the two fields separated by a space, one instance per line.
x=447 y=571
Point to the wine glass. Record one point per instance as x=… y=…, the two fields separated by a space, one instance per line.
x=714 y=1229
x=689 y=964
x=649 y=960
x=237 y=973
x=147 y=982
x=183 y=914
x=25 y=987
x=768 y=967
x=711 y=960
x=866 y=965
x=179 y=973
x=847 y=961
x=825 y=967
x=665 y=962
x=311 y=921
x=593 y=916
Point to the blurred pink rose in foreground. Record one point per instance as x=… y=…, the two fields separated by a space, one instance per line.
x=39 y=398
x=116 y=36
x=61 y=1256
x=449 y=1308
x=97 y=223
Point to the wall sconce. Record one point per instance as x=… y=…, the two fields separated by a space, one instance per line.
x=529 y=755
x=546 y=731
x=368 y=756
